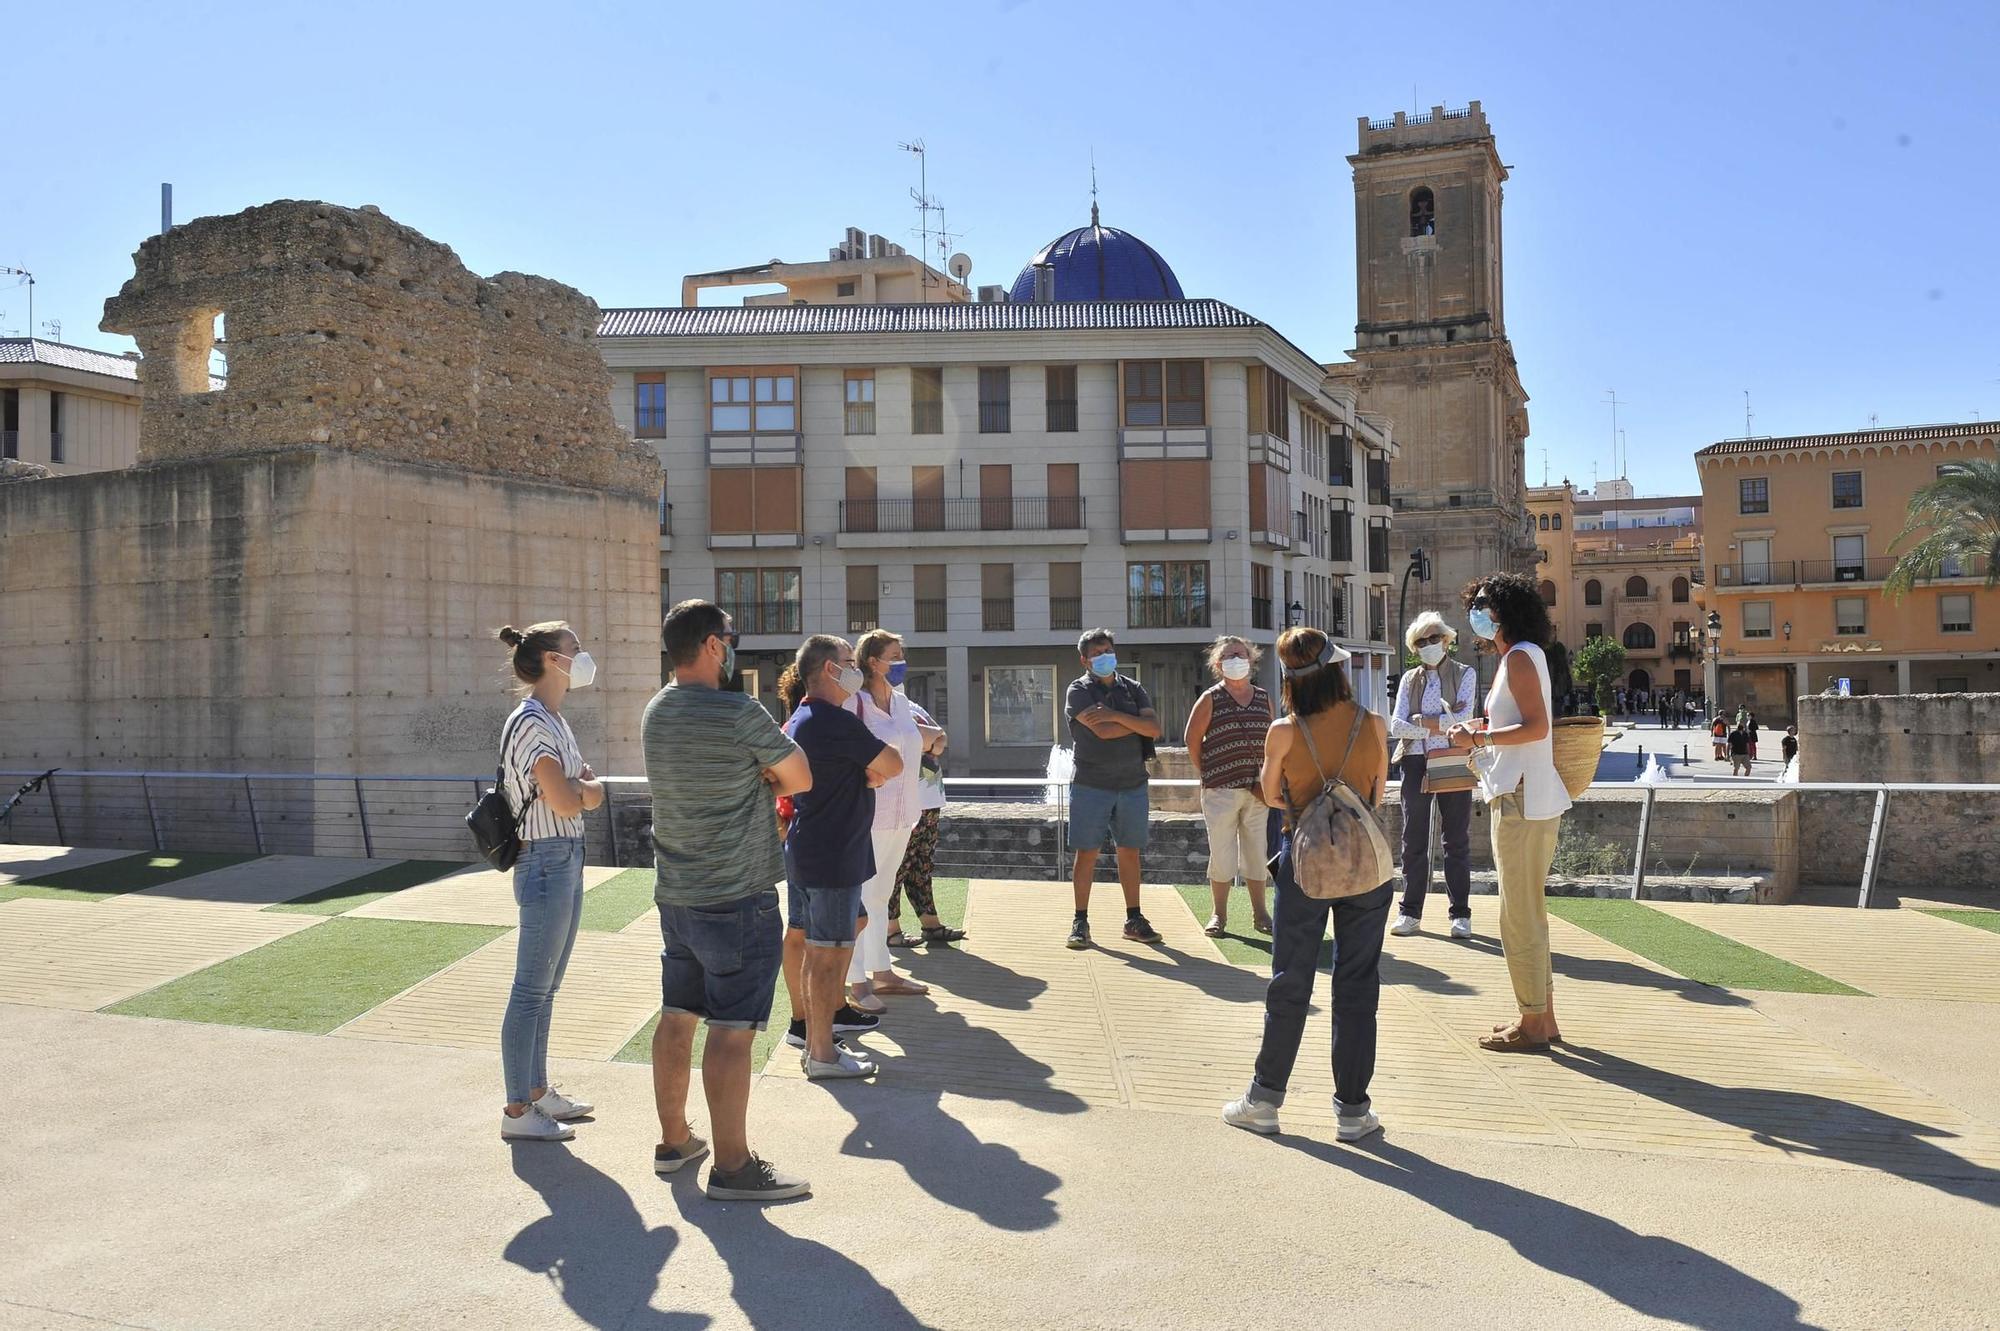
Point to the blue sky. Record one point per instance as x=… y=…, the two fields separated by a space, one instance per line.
x=1794 y=199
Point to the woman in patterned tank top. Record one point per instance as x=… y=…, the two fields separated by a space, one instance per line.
x=1225 y=742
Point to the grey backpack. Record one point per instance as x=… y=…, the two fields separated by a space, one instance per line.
x=1338 y=849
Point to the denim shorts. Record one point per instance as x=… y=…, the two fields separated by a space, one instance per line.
x=721 y=962
x=828 y=915
x=1093 y=813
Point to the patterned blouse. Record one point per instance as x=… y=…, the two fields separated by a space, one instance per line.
x=1232 y=750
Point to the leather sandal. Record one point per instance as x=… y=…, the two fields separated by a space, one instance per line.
x=1214 y=928
x=900 y=987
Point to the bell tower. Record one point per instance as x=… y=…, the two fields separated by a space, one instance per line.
x=1431 y=350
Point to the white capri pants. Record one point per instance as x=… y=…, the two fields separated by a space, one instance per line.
x=871 y=945
x=1236 y=820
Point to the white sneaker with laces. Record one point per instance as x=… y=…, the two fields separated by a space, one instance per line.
x=1353 y=1127
x=560 y=1107
x=535 y=1126
x=845 y=1066
x=1251 y=1115
x=1405 y=925
x=1461 y=928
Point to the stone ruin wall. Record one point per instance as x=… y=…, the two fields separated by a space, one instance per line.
x=345 y=329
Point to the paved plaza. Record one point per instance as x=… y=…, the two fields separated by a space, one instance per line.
x=263 y=1093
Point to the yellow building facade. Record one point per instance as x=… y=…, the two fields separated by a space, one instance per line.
x=1798 y=534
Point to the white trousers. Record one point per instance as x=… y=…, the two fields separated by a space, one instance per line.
x=871 y=946
x=1237 y=821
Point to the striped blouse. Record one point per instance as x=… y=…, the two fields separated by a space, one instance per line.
x=540 y=733
x=1232 y=749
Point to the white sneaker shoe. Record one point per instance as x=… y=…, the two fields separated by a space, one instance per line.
x=1353 y=1127
x=560 y=1107
x=845 y=1066
x=1251 y=1115
x=1461 y=928
x=535 y=1126
x=1405 y=925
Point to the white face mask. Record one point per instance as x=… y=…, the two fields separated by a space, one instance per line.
x=582 y=670
x=849 y=679
x=1235 y=667
x=1431 y=653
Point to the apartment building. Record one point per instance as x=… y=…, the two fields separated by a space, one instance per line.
x=991 y=478
x=70 y=409
x=1797 y=533
x=1627 y=567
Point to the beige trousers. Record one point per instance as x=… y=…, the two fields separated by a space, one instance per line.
x=1523 y=850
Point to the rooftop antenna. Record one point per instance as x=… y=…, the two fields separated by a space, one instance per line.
x=1874 y=419
x=28 y=279
x=1747 y=417
x=1616 y=465
x=1093 y=187
x=1545 y=466
x=925 y=206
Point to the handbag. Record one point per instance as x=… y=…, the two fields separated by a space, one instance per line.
x=495 y=827
x=1338 y=849
x=1449 y=772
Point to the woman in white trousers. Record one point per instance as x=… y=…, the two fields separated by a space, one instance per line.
x=898 y=805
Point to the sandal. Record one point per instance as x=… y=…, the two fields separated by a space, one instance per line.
x=1263 y=926
x=942 y=935
x=901 y=986
x=901 y=939
x=1215 y=927
x=1512 y=1041
x=867 y=1003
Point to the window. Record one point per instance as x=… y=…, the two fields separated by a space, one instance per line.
x=931 y=605
x=1378 y=479
x=1850 y=615
x=1144 y=394
x=1167 y=595
x=55 y=427
x=996 y=496
x=1951 y=684
x=996 y=593
x=758 y=403
x=1541 y=555
x=1066 y=596
x=1270 y=403
x=1955 y=613
x=1680 y=591
x=1753 y=495
x=1542 y=523
x=927 y=399
x=1593 y=592
x=1065 y=496
x=860 y=402
x=1378 y=545
x=1849 y=558
x=864 y=606
x=843 y=288
x=1756 y=562
x=1339 y=460
x=1260 y=596
x=1639 y=637
x=1423 y=211
x=1343 y=531
x=666 y=510
x=649 y=405
x=1683 y=633
x=1592 y=630
x=1165 y=393
x=995 y=400
x=1756 y=619
x=762 y=600
x=1635 y=587
x=1548 y=592
x=1847 y=489
x=1187 y=393
x=1059 y=392
x=1557 y=522
x=859 y=511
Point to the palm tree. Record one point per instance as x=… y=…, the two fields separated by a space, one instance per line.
x=1961 y=509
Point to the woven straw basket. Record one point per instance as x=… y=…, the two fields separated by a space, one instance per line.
x=1578 y=742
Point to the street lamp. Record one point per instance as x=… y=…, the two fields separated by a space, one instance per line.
x=1711 y=680
x=1295 y=615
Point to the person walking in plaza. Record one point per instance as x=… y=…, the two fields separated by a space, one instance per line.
x=898 y=804
x=1750 y=729
x=1112 y=725
x=829 y=851
x=713 y=760
x=1525 y=796
x=1718 y=731
x=1739 y=752
x=548 y=786
x=1434 y=696
x=1225 y=744
x=913 y=879
x=1789 y=745
x=1323 y=721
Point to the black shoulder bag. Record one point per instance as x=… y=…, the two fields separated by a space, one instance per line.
x=495 y=827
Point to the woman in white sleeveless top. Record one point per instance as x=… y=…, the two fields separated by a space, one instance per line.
x=1525 y=796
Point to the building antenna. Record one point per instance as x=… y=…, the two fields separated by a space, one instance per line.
x=925 y=204
x=29 y=279
x=1747 y=417
x=1616 y=465
x=1545 y=466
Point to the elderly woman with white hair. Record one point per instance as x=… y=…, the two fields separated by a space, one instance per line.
x=1434 y=696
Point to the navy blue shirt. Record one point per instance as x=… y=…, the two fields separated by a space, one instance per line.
x=1107 y=764
x=830 y=843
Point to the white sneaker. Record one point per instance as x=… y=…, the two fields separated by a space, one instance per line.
x=1405 y=925
x=535 y=1126
x=845 y=1066
x=560 y=1107
x=1251 y=1115
x=1461 y=928
x=1353 y=1127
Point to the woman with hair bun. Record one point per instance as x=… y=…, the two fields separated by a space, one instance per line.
x=548 y=785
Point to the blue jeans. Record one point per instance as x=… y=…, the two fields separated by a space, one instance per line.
x=548 y=887
x=1298 y=927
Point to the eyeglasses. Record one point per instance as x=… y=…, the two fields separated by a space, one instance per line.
x=1482 y=602
x=1430 y=638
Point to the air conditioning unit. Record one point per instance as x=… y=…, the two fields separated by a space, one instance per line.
x=993 y=295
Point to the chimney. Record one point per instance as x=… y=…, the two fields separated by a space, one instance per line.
x=857 y=243
x=878 y=247
x=1045 y=284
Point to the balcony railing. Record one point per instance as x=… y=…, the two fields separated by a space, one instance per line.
x=1773 y=574
x=996 y=614
x=927 y=418
x=863 y=616
x=931 y=615
x=1378 y=549
x=1872 y=568
x=995 y=417
x=1052 y=513
x=1336 y=617
x=1062 y=415
x=1166 y=613
x=1260 y=612
x=10 y=443
x=55 y=446
x=763 y=616
x=666 y=519
x=1378 y=622
x=1066 y=612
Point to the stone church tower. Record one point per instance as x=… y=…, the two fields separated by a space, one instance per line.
x=1431 y=352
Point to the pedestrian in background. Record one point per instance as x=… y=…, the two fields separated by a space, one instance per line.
x=1739 y=752
x=1225 y=744
x=1750 y=728
x=1718 y=732
x=913 y=880
x=1434 y=695
x=1789 y=746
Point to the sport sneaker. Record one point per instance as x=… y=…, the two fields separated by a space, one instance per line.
x=1251 y=1114
x=756 y=1181
x=560 y=1107
x=672 y=1159
x=534 y=1126
x=1405 y=925
x=851 y=1020
x=1079 y=936
x=846 y=1065
x=1140 y=930
x=1353 y=1127
x=1461 y=927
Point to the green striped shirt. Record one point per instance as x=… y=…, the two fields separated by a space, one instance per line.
x=715 y=829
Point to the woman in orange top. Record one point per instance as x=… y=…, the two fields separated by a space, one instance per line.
x=1318 y=696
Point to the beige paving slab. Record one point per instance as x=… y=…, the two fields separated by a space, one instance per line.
x=80 y=955
x=18 y=862
x=1893 y=953
x=477 y=895
x=611 y=987
x=256 y=883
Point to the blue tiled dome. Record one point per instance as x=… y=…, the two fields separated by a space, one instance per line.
x=1100 y=263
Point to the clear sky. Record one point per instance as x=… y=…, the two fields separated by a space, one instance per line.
x=1795 y=199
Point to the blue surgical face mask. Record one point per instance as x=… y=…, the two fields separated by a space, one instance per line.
x=728 y=661
x=1482 y=623
x=1104 y=663
x=897 y=670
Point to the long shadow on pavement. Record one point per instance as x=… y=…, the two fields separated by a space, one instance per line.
x=943 y=1051
x=946 y=1159
x=966 y=973
x=1652 y=1275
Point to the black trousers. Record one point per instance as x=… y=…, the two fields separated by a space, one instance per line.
x=1456 y=809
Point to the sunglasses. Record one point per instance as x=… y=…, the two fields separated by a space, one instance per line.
x=1481 y=602
x=1430 y=638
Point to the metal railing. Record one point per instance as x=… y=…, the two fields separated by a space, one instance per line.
x=933 y=613
x=10 y=443
x=996 y=614
x=1062 y=415
x=1049 y=513
x=1065 y=612
x=1773 y=573
x=764 y=616
x=1870 y=568
x=996 y=417
x=863 y=616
